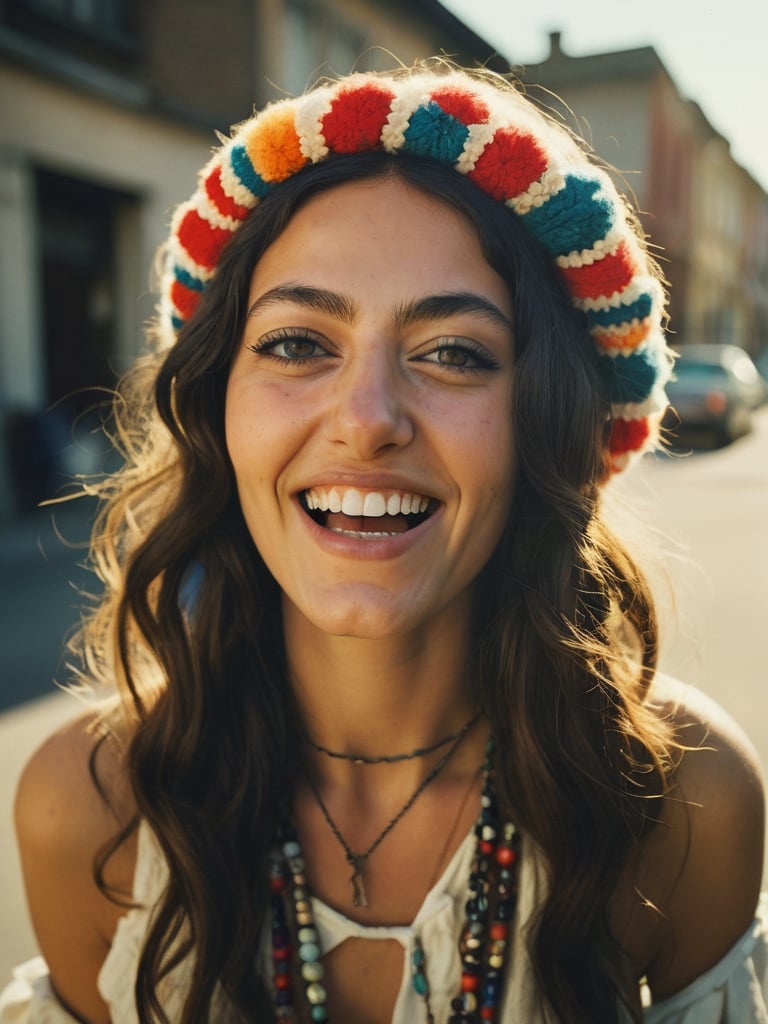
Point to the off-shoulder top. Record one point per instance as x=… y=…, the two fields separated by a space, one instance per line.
x=734 y=991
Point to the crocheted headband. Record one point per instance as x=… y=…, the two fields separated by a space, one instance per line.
x=501 y=142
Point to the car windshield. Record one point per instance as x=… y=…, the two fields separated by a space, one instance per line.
x=709 y=373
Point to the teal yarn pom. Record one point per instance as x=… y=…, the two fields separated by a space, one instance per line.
x=435 y=135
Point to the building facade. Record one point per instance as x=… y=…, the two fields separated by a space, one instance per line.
x=703 y=211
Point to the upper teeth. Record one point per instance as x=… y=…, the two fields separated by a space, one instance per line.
x=352 y=502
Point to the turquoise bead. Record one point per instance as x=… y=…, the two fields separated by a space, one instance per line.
x=421 y=984
x=318 y=1013
x=309 y=951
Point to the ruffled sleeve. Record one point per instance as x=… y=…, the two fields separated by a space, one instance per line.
x=29 y=998
x=734 y=991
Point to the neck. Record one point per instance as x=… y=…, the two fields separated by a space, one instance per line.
x=380 y=697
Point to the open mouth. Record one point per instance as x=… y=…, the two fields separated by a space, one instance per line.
x=366 y=514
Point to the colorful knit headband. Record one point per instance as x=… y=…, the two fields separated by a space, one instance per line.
x=507 y=148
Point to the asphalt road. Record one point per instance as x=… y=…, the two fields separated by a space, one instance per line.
x=701 y=520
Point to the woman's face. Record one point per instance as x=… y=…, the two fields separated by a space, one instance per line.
x=367 y=412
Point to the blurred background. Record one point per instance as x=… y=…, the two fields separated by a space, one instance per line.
x=109 y=107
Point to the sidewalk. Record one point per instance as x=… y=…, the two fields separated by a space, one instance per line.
x=22 y=730
x=40 y=592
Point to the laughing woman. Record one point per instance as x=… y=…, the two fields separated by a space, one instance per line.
x=390 y=744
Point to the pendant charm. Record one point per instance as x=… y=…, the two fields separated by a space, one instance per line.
x=359 y=895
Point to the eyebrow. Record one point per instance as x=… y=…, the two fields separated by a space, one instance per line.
x=318 y=299
x=440 y=307
x=430 y=307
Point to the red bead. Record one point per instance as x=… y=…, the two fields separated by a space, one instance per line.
x=281 y=953
x=488 y=1013
x=282 y=981
x=486 y=847
x=277 y=884
x=470 y=983
x=505 y=856
x=498 y=930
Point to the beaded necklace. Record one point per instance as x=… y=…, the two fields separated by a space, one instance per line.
x=484 y=940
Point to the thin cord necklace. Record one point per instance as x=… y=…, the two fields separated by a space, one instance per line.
x=357 y=861
x=393 y=758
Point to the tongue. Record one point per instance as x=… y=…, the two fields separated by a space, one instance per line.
x=366 y=524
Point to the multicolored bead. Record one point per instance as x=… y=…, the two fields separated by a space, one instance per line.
x=485 y=937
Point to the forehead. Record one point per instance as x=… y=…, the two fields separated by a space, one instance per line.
x=381 y=237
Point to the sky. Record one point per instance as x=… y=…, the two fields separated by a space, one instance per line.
x=716 y=52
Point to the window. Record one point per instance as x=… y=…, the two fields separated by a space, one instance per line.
x=108 y=21
x=317 y=42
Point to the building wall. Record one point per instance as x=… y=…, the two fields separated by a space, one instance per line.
x=150 y=160
x=199 y=57
x=706 y=217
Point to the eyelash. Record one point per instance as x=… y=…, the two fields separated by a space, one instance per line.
x=266 y=345
x=478 y=355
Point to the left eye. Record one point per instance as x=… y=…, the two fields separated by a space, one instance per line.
x=460 y=356
x=454 y=356
x=295 y=348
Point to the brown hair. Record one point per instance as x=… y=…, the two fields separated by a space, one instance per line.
x=190 y=626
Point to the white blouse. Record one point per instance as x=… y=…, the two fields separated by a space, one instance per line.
x=734 y=991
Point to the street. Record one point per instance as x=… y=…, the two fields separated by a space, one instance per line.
x=708 y=514
x=707 y=518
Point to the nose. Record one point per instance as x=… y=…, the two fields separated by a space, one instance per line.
x=371 y=411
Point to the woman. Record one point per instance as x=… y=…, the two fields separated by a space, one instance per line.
x=390 y=743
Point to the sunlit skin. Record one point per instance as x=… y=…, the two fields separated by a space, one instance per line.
x=360 y=369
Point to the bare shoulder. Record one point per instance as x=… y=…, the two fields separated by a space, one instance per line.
x=72 y=799
x=705 y=859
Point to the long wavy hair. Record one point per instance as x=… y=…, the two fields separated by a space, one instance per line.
x=190 y=626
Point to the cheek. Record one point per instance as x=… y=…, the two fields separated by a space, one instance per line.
x=489 y=453
x=253 y=419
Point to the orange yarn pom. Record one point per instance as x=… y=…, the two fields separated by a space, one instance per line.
x=273 y=146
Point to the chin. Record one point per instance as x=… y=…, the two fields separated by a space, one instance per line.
x=369 y=618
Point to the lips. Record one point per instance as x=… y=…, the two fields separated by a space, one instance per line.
x=365 y=513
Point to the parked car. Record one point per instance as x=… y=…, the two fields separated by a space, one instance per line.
x=715 y=389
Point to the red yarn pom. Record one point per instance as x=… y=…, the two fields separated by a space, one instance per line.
x=356 y=118
x=184 y=299
x=462 y=105
x=603 y=277
x=224 y=204
x=509 y=164
x=202 y=240
x=628 y=435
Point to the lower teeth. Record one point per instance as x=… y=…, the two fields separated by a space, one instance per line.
x=361 y=534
